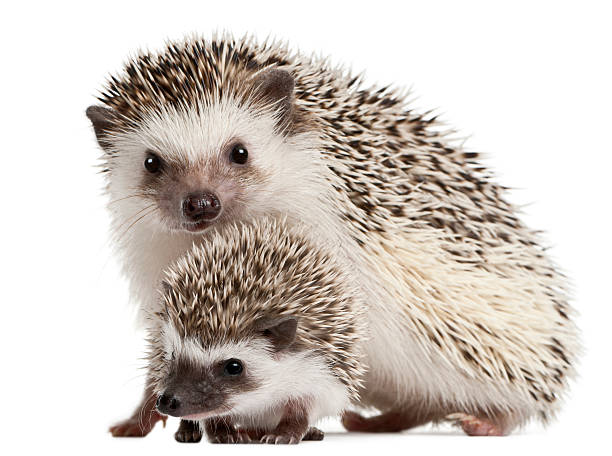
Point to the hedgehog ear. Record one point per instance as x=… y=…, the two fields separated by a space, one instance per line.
x=102 y=119
x=280 y=331
x=276 y=86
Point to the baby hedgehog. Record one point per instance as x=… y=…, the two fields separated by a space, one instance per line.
x=466 y=312
x=258 y=337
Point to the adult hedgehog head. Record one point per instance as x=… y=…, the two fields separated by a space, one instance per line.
x=255 y=318
x=202 y=133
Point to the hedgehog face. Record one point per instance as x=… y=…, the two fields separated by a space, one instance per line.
x=201 y=381
x=192 y=169
x=186 y=167
x=196 y=389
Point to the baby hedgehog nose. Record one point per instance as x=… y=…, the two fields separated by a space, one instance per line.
x=201 y=206
x=167 y=404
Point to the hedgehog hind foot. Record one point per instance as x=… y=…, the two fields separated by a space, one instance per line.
x=188 y=432
x=391 y=421
x=475 y=426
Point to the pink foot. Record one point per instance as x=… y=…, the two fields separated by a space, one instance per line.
x=391 y=421
x=474 y=426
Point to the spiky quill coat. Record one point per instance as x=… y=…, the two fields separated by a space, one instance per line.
x=214 y=297
x=465 y=310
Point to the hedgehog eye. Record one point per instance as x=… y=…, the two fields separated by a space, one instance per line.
x=233 y=367
x=239 y=154
x=153 y=163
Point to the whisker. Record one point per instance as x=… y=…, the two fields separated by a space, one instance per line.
x=142 y=195
x=120 y=239
x=141 y=411
x=131 y=217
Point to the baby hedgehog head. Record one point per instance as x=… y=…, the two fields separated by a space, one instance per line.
x=256 y=315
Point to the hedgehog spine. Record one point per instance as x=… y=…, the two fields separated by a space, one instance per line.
x=454 y=281
x=214 y=302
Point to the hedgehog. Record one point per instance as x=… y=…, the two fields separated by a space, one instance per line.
x=258 y=337
x=469 y=317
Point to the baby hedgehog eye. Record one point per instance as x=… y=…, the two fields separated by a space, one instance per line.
x=152 y=163
x=239 y=154
x=233 y=367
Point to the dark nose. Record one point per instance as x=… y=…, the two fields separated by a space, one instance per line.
x=168 y=404
x=201 y=206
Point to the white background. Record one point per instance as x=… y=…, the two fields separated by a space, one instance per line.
x=529 y=82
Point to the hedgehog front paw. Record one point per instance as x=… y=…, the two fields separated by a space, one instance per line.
x=230 y=437
x=292 y=438
x=188 y=432
x=137 y=426
x=282 y=439
x=219 y=430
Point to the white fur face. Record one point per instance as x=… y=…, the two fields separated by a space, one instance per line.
x=194 y=151
x=269 y=380
x=147 y=225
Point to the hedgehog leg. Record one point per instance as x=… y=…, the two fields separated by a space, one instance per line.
x=476 y=426
x=313 y=433
x=220 y=430
x=391 y=421
x=188 y=432
x=142 y=421
x=292 y=427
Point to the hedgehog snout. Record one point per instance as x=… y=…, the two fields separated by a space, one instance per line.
x=168 y=404
x=201 y=206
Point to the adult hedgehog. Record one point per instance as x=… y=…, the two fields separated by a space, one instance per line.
x=467 y=315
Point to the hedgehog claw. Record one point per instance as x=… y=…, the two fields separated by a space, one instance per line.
x=231 y=437
x=284 y=439
x=243 y=437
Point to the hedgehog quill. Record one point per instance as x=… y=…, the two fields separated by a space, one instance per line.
x=259 y=337
x=458 y=291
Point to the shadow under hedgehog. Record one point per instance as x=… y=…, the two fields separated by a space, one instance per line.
x=259 y=336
